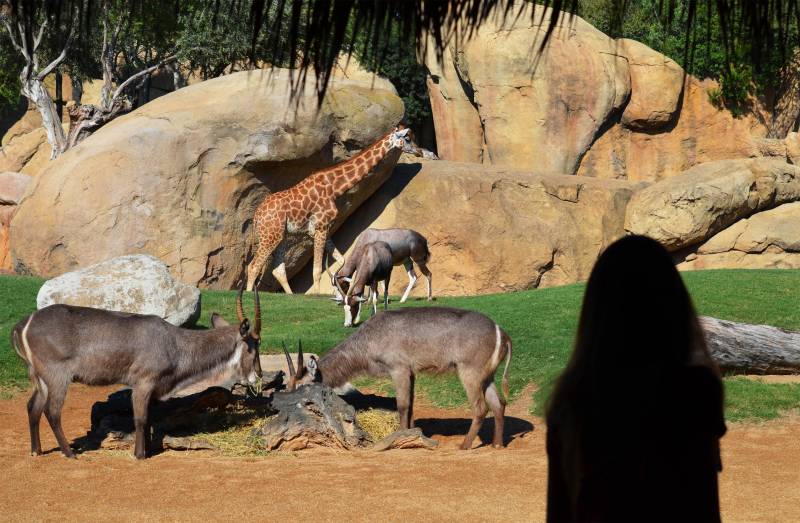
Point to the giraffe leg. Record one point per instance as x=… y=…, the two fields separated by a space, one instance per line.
x=320 y=240
x=269 y=240
x=279 y=272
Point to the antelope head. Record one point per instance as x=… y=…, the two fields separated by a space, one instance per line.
x=302 y=374
x=245 y=362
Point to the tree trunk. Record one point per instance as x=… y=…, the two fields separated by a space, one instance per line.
x=86 y=119
x=752 y=349
x=35 y=91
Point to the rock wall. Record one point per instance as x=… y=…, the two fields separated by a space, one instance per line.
x=589 y=105
x=494 y=103
x=12 y=188
x=698 y=133
x=180 y=177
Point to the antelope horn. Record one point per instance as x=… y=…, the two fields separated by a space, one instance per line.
x=299 y=354
x=350 y=289
x=239 y=309
x=292 y=372
x=334 y=278
x=257 y=320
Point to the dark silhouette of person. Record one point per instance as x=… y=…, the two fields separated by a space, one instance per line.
x=634 y=421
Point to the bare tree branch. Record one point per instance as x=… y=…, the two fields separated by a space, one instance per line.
x=23 y=41
x=38 y=39
x=14 y=42
x=123 y=19
x=60 y=58
x=141 y=73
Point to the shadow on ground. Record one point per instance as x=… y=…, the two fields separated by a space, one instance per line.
x=514 y=427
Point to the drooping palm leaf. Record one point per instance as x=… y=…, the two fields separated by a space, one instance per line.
x=319 y=30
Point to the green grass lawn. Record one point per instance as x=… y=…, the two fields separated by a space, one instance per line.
x=541 y=324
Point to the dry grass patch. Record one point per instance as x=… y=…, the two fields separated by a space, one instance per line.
x=378 y=423
x=234 y=433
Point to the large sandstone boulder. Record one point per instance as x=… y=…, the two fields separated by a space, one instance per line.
x=493 y=102
x=768 y=239
x=492 y=229
x=684 y=210
x=24 y=148
x=180 y=177
x=137 y=283
x=656 y=87
x=12 y=187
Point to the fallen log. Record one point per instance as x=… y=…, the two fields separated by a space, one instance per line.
x=752 y=349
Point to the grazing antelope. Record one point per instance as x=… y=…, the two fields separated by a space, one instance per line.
x=374 y=265
x=404 y=342
x=408 y=247
x=62 y=344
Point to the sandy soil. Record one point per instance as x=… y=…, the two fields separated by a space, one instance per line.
x=761 y=480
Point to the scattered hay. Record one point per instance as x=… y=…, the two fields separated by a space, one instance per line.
x=378 y=423
x=235 y=435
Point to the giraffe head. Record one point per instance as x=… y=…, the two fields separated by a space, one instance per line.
x=400 y=138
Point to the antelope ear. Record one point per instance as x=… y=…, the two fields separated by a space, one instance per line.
x=218 y=321
x=244 y=328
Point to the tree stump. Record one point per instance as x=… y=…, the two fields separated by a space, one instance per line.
x=312 y=416
x=752 y=349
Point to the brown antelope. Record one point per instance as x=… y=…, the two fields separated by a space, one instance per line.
x=408 y=248
x=402 y=343
x=62 y=344
x=374 y=265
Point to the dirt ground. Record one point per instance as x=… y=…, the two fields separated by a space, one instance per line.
x=760 y=481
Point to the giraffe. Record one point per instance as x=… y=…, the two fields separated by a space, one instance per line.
x=310 y=207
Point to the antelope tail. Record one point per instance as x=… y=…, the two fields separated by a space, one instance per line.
x=505 y=370
x=428 y=253
x=15 y=343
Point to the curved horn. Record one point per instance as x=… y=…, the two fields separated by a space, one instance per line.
x=352 y=283
x=292 y=371
x=257 y=319
x=299 y=354
x=239 y=309
x=333 y=278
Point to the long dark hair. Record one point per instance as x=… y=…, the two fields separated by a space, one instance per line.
x=637 y=328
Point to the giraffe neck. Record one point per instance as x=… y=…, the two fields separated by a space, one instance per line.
x=345 y=175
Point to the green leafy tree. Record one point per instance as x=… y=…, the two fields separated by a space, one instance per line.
x=395 y=58
x=10 y=65
x=743 y=65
